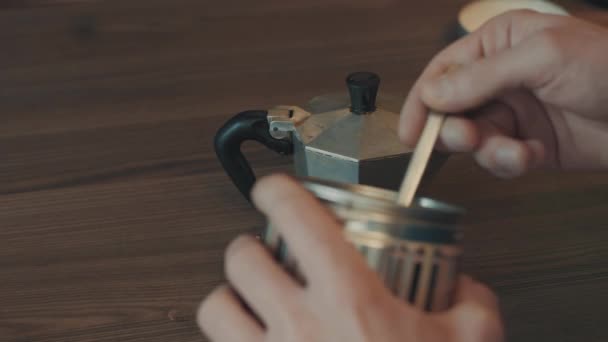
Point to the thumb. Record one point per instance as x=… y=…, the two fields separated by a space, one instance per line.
x=311 y=230
x=471 y=292
x=530 y=64
x=475 y=315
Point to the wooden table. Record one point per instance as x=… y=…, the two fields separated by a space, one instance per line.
x=114 y=211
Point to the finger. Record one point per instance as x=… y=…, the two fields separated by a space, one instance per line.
x=475 y=315
x=465 y=134
x=414 y=112
x=412 y=118
x=506 y=157
x=222 y=318
x=469 y=291
x=497 y=150
x=525 y=65
x=538 y=153
x=311 y=231
x=498 y=34
x=258 y=279
x=458 y=134
x=502 y=156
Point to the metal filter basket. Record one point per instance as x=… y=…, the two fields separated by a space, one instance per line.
x=415 y=250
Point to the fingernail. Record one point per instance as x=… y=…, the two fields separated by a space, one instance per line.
x=454 y=139
x=507 y=160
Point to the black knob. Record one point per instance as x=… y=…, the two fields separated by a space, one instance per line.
x=363 y=87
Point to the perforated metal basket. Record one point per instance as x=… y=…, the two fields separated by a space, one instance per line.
x=415 y=250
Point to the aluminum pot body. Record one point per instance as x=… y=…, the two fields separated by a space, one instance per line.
x=415 y=251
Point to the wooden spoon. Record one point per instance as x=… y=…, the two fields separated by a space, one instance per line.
x=421 y=156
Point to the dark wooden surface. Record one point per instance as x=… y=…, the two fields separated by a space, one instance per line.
x=114 y=211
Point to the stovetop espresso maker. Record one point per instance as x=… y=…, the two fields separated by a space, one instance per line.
x=349 y=137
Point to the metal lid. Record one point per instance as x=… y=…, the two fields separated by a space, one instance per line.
x=354 y=125
x=372 y=198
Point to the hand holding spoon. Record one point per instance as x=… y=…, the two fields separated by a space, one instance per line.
x=421 y=156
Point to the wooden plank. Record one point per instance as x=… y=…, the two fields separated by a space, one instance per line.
x=114 y=212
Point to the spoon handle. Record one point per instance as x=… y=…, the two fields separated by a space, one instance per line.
x=420 y=158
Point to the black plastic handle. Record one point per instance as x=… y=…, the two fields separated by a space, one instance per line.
x=248 y=125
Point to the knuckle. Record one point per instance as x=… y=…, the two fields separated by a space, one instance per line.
x=359 y=300
x=294 y=313
x=362 y=311
x=550 y=40
x=514 y=17
x=468 y=82
x=297 y=321
x=521 y=17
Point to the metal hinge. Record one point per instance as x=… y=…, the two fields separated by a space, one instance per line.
x=282 y=120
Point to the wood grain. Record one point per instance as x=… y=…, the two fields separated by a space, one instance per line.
x=114 y=212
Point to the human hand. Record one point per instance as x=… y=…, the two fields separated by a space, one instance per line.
x=534 y=88
x=343 y=300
